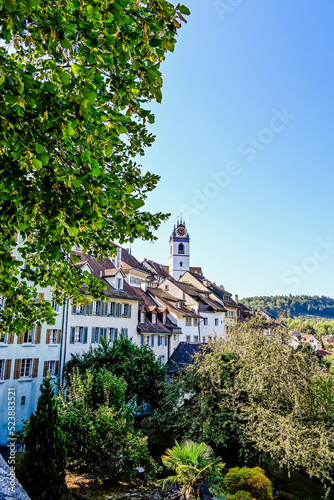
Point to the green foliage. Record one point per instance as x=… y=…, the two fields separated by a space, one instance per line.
x=42 y=468
x=266 y=400
x=75 y=81
x=200 y=417
x=294 y=306
x=245 y=483
x=143 y=373
x=99 y=427
x=192 y=463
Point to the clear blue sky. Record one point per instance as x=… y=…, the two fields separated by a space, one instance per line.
x=245 y=145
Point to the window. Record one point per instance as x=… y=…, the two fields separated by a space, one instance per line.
x=113 y=334
x=83 y=309
x=195 y=322
x=124 y=333
x=23 y=400
x=51 y=367
x=188 y=321
x=4 y=338
x=206 y=322
x=210 y=338
x=181 y=263
x=166 y=288
x=179 y=305
x=116 y=309
x=118 y=283
x=55 y=306
x=54 y=336
x=174 y=337
x=187 y=338
x=162 y=359
x=78 y=337
x=127 y=311
x=29 y=337
x=26 y=368
x=181 y=249
x=146 y=339
x=195 y=338
x=135 y=280
x=203 y=340
x=78 y=334
x=2 y=369
x=95 y=335
x=216 y=321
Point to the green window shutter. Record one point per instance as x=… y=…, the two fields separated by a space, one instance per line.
x=74 y=309
x=119 y=310
x=129 y=311
x=166 y=340
x=112 y=309
x=115 y=333
x=84 y=309
x=104 y=309
x=93 y=335
x=152 y=341
x=85 y=334
x=89 y=309
x=72 y=335
x=104 y=333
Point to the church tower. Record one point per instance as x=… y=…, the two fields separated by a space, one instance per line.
x=179 y=254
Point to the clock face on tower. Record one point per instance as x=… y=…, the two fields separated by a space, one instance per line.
x=180 y=231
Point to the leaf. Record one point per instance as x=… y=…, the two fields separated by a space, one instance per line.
x=37 y=163
x=76 y=69
x=39 y=149
x=184 y=10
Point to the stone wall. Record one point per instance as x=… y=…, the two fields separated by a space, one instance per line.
x=9 y=486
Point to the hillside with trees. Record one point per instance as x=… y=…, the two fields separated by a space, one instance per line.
x=303 y=307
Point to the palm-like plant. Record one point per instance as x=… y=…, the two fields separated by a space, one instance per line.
x=192 y=463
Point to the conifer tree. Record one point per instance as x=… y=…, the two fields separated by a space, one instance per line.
x=43 y=463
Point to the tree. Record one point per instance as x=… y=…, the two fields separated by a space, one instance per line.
x=75 y=79
x=192 y=463
x=42 y=471
x=255 y=397
x=282 y=399
x=99 y=427
x=143 y=373
x=245 y=483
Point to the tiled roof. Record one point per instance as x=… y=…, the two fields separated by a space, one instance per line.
x=98 y=266
x=131 y=261
x=149 y=327
x=183 y=356
x=171 y=302
x=199 y=295
x=158 y=269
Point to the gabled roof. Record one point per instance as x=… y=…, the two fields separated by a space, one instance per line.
x=171 y=302
x=199 y=295
x=155 y=268
x=98 y=268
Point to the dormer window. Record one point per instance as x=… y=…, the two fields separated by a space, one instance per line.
x=154 y=318
x=179 y=305
x=142 y=317
x=119 y=283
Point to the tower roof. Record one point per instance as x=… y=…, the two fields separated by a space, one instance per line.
x=180 y=230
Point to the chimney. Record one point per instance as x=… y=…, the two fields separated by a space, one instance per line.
x=236 y=298
x=118 y=261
